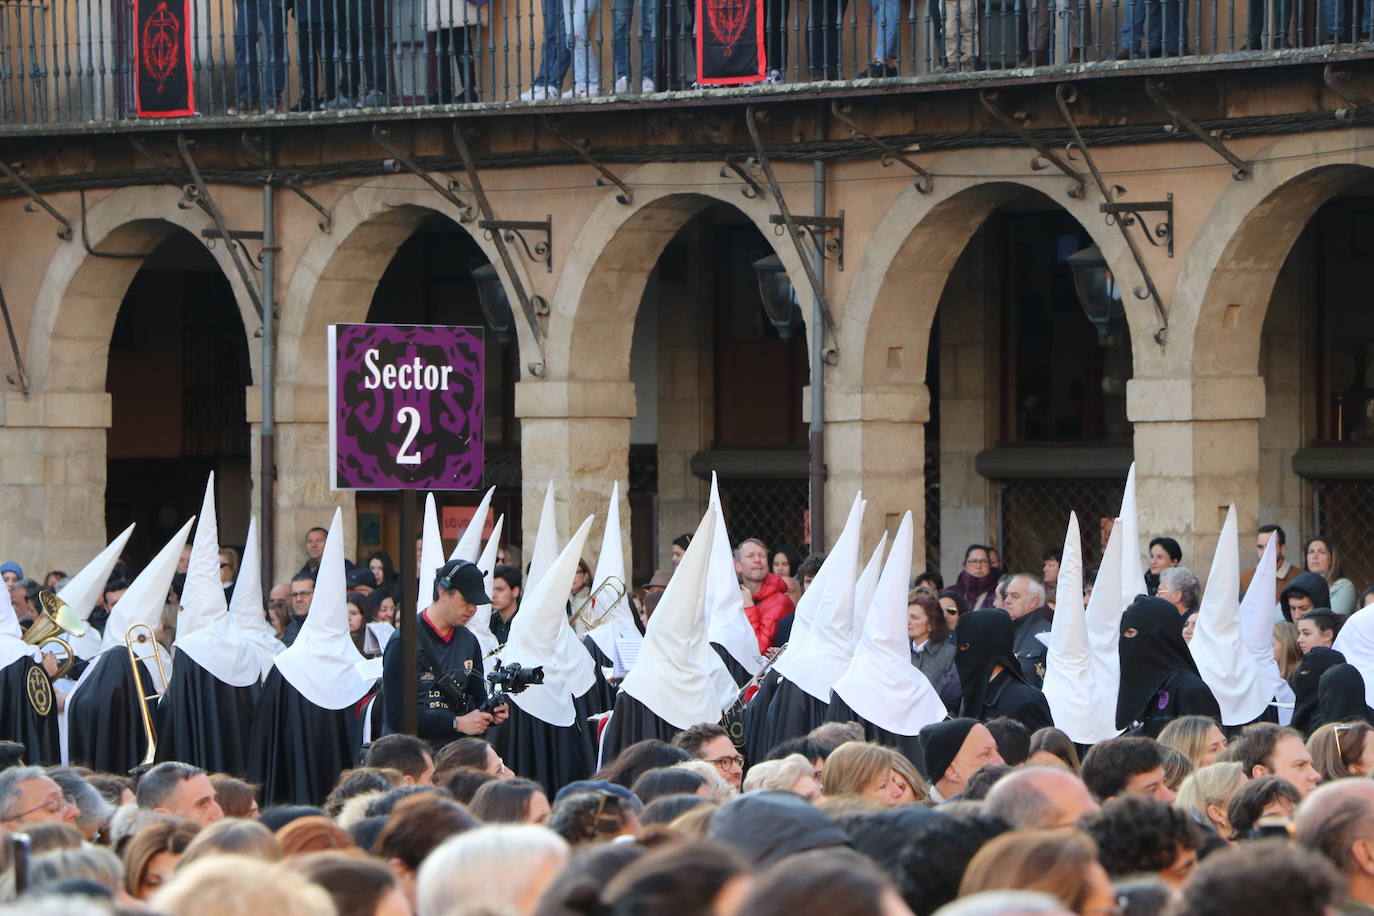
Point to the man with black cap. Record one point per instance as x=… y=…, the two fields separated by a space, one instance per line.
x=768 y=825
x=447 y=654
x=990 y=676
x=1159 y=679
x=954 y=750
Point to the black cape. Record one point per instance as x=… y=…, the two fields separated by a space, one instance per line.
x=299 y=749
x=737 y=671
x=983 y=641
x=19 y=721
x=1007 y=695
x=1183 y=693
x=1306 y=684
x=1158 y=674
x=551 y=755
x=631 y=723
x=203 y=721
x=756 y=747
x=1341 y=696
x=840 y=711
x=602 y=695
x=792 y=713
x=104 y=727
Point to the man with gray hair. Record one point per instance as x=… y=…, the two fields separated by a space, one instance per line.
x=1025 y=602
x=1040 y=798
x=1179 y=587
x=1337 y=821
x=94 y=811
x=1005 y=903
x=29 y=796
x=180 y=789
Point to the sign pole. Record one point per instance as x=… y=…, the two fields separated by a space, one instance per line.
x=408 y=618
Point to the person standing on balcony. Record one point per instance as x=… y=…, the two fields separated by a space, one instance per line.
x=960 y=34
x=554 y=59
x=887 y=40
x=260 y=82
x=1161 y=25
x=318 y=61
x=454 y=24
x=622 y=12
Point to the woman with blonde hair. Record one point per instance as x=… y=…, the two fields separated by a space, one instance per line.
x=1208 y=790
x=236 y=836
x=1287 y=652
x=1342 y=749
x=1198 y=738
x=792 y=773
x=1061 y=863
x=871 y=771
x=154 y=852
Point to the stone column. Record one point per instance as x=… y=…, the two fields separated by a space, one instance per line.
x=1196 y=452
x=576 y=434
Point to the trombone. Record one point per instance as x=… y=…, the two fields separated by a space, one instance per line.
x=142 y=633
x=601 y=602
x=55 y=616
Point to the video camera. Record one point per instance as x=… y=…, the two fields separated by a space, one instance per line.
x=512 y=678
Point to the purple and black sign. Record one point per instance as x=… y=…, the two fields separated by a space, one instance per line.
x=405 y=407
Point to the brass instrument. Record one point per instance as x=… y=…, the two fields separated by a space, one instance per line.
x=143 y=634
x=55 y=616
x=601 y=602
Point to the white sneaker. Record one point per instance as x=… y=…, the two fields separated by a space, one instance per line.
x=536 y=93
x=647 y=87
x=582 y=91
x=774 y=77
x=622 y=85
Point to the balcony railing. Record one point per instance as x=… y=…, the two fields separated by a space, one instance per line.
x=79 y=61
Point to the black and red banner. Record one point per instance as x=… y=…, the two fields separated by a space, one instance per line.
x=162 y=59
x=730 y=42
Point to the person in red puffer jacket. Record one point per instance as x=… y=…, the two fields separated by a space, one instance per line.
x=768 y=592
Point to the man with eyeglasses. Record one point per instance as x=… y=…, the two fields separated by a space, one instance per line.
x=29 y=796
x=301 y=594
x=711 y=743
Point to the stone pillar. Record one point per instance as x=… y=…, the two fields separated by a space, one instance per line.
x=1196 y=452
x=52 y=479
x=576 y=434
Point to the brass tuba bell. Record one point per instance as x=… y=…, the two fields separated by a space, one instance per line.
x=55 y=616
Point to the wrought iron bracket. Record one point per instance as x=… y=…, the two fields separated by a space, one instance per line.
x=831 y=354
x=751 y=188
x=1065 y=95
x=290 y=182
x=819 y=229
x=1158 y=94
x=1130 y=214
x=86 y=241
x=20 y=377
x=501 y=232
x=399 y=161
x=1042 y=151
x=199 y=194
x=583 y=149
x=36 y=199
x=925 y=182
x=1336 y=79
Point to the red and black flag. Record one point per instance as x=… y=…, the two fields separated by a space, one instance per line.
x=162 y=59
x=730 y=42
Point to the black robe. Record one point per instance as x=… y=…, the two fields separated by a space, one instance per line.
x=104 y=727
x=551 y=755
x=984 y=641
x=840 y=711
x=631 y=723
x=756 y=718
x=299 y=749
x=737 y=671
x=1007 y=695
x=792 y=713
x=203 y=721
x=1159 y=679
x=19 y=721
x=1183 y=693
x=602 y=695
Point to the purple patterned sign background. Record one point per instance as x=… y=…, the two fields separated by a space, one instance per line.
x=395 y=428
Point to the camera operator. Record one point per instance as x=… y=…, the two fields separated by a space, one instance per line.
x=449 y=662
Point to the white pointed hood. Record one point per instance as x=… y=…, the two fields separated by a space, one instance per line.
x=470 y=543
x=679 y=677
x=1222 y=659
x=1132 y=572
x=147 y=594
x=1257 y=627
x=246 y=607
x=538 y=637
x=1355 y=641
x=322 y=663
x=205 y=631
x=480 y=624
x=881 y=684
x=86 y=588
x=545 y=544
x=12 y=645
x=431 y=554
x=1069 y=675
x=1104 y=611
x=821 y=660
x=726 y=623
x=610 y=564
x=864 y=590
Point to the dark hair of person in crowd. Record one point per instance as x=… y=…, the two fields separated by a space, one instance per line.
x=820 y=883
x=405 y=753
x=313 y=834
x=366 y=830
x=585 y=874
x=386 y=803
x=793 y=558
x=235 y=797
x=358 y=885
x=684 y=879
x=667 y=808
x=983 y=779
x=158 y=782
x=803 y=745
x=112 y=787
x=1144 y=895
x=930 y=580
x=663 y=781
x=511 y=576
x=355 y=782
x=931 y=863
x=418 y=825
x=691 y=739
x=683 y=540
x=1265 y=878
x=935 y=615
x=1366 y=597
x=1013 y=739
x=460 y=752
x=589 y=817
x=275 y=817
x=960 y=605
x=166 y=834
x=1109 y=765
x=1053 y=742
x=234 y=836
x=505 y=801
x=464 y=782
x=388 y=568
x=1337 y=749
x=1055 y=862
x=1325 y=619
x=1139 y=835
x=638 y=759
x=1254 y=746
x=809 y=567
x=1176 y=767
x=1247 y=807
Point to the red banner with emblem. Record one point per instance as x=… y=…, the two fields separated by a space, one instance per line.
x=730 y=42
x=162 y=59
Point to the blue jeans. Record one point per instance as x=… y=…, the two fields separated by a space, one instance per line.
x=578 y=17
x=258 y=80
x=554 y=57
x=622 y=12
x=1333 y=27
x=1167 y=27
x=888 y=20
